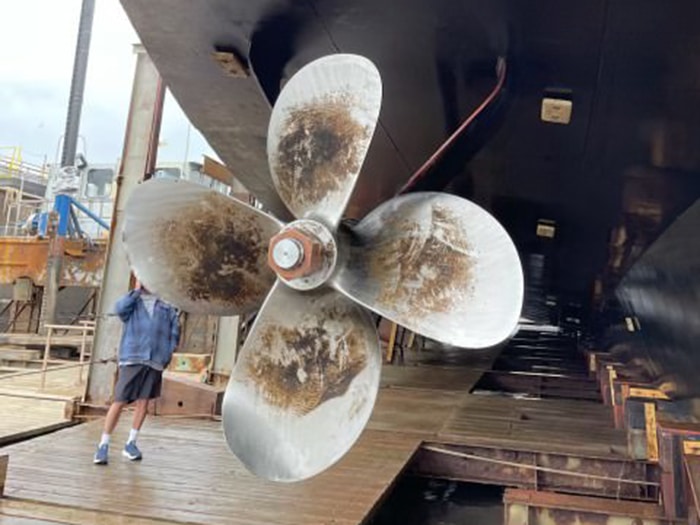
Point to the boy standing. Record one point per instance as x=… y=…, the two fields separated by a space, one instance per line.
x=151 y=334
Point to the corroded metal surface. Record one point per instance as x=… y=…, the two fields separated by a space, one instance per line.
x=83 y=263
x=505 y=464
x=439 y=265
x=304 y=385
x=319 y=260
x=23 y=257
x=532 y=507
x=319 y=367
x=320 y=131
x=197 y=248
x=692 y=467
x=27 y=257
x=433 y=265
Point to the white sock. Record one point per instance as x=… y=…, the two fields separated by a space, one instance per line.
x=133 y=434
x=105 y=439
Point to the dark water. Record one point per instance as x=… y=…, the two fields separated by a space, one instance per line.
x=421 y=501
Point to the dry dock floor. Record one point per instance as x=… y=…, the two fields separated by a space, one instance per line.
x=189 y=476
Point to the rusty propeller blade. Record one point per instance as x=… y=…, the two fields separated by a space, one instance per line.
x=307 y=377
x=304 y=384
x=438 y=265
x=320 y=130
x=198 y=249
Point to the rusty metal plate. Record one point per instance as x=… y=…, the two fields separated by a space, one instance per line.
x=83 y=263
x=197 y=248
x=304 y=385
x=439 y=265
x=23 y=257
x=320 y=130
x=26 y=257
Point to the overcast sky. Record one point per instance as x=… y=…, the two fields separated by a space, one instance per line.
x=37 y=47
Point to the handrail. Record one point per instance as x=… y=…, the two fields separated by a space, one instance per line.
x=84 y=328
x=10 y=168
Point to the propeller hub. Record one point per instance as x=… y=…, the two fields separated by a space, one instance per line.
x=303 y=254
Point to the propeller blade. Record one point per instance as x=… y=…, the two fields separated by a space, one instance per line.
x=304 y=385
x=197 y=248
x=320 y=130
x=438 y=265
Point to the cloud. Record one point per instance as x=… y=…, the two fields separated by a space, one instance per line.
x=37 y=46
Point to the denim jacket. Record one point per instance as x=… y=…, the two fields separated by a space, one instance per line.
x=145 y=339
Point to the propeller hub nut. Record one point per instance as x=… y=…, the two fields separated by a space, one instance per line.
x=294 y=254
x=287 y=253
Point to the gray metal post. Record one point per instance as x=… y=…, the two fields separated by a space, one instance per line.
x=75 y=102
x=54 y=263
x=138 y=160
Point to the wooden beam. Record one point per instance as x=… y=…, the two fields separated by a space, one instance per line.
x=392 y=343
x=652 y=438
x=184 y=397
x=217 y=171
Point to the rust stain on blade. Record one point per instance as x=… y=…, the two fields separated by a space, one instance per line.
x=319 y=150
x=303 y=367
x=423 y=271
x=218 y=253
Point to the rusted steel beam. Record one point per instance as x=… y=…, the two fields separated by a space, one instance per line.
x=27 y=257
x=692 y=468
x=676 y=440
x=23 y=257
x=529 y=507
x=530 y=470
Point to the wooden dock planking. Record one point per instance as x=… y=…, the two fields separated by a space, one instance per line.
x=21 y=418
x=188 y=475
x=60 y=382
x=412 y=411
x=21 y=512
x=571 y=427
x=430 y=377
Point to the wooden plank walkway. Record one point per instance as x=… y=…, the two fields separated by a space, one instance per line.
x=59 y=382
x=565 y=426
x=21 y=418
x=189 y=476
x=27 y=409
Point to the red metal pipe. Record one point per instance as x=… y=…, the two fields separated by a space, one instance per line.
x=421 y=172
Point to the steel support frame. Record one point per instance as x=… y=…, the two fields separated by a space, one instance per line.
x=611 y=478
x=675 y=441
x=529 y=507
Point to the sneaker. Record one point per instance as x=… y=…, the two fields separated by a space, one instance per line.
x=101 y=456
x=131 y=451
